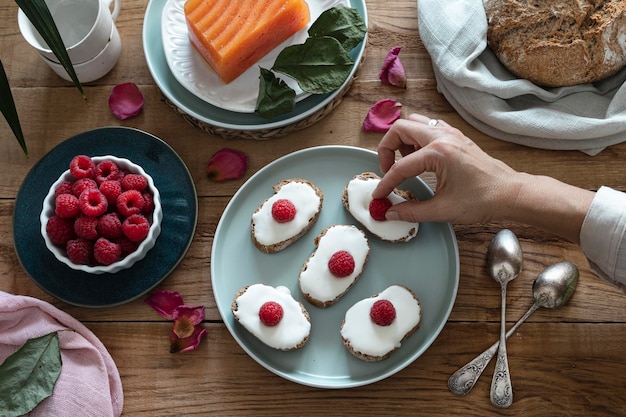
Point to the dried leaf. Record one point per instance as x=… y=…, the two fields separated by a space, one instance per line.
x=29 y=375
x=342 y=23
x=275 y=97
x=319 y=65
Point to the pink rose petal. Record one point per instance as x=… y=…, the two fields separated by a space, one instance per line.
x=186 y=344
x=392 y=72
x=165 y=302
x=125 y=101
x=227 y=164
x=382 y=115
x=186 y=332
x=195 y=314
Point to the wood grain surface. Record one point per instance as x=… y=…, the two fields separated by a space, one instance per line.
x=564 y=362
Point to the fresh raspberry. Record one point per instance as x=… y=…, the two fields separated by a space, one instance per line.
x=86 y=227
x=92 y=202
x=271 y=313
x=341 y=264
x=60 y=230
x=79 y=251
x=110 y=226
x=283 y=210
x=378 y=208
x=111 y=190
x=134 y=182
x=65 y=187
x=106 y=170
x=82 y=185
x=81 y=166
x=106 y=252
x=127 y=246
x=130 y=202
x=136 y=227
x=66 y=206
x=383 y=312
x=148 y=203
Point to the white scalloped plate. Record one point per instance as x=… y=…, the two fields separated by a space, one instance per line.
x=195 y=74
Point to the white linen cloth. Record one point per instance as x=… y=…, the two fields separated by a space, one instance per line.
x=89 y=384
x=586 y=117
x=603 y=236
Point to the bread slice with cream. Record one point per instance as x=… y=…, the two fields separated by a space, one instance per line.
x=356 y=198
x=270 y=235
x=323 y=283
x=293 y=329
x=373 y=342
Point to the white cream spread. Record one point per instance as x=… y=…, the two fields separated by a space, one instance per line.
x=316 y=280
x=292 y=329
x=359 y=198
x=268 y=231
x=367 y=337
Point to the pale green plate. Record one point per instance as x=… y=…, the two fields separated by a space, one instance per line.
x=428 y=264
x=199 y=109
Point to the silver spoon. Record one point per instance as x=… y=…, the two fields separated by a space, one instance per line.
x=504 y=260
x=551 y=289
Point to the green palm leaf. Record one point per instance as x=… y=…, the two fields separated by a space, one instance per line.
x=7 y=106
x=39 y=15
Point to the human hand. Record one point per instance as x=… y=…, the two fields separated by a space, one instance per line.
x=472 y=187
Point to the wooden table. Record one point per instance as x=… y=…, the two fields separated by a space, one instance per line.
x=565 y=362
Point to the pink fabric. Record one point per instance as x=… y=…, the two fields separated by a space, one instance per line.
x=89 y=384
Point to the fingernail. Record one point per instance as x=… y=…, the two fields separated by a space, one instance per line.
x=392 y=215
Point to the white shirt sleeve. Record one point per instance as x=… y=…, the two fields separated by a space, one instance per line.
x=603 y=233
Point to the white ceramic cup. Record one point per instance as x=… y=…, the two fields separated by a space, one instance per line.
x=86 y=27
x=97 y=67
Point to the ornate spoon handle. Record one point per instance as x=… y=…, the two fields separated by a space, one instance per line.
x=462 y=381
x=501 y=393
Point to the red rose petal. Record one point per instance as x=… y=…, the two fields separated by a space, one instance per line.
x=382 y=115
x=392 y=72
x=125 y=101
x=227 y=164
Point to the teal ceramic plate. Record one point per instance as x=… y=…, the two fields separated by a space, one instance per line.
x=428 y=264
x=199 y=109
x=180 y=214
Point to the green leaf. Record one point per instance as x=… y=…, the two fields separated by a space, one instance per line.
x=28 y=376
x=342 y=23
x=39 y=15
x=7 y=106
x=320 y=65
x=275 y=96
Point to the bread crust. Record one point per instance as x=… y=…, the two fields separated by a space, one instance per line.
x=277 y=247
x=556 y=43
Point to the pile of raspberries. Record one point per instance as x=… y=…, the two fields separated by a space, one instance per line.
x=101 y=215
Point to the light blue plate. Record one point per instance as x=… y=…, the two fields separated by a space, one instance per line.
x=428 y=264
x=193 y=106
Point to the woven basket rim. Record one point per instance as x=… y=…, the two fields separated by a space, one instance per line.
x=265 y=134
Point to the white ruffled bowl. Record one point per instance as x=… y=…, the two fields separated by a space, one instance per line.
x=130 y=259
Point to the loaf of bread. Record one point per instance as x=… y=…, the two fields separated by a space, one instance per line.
x=274 y=226
x=556 y=43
